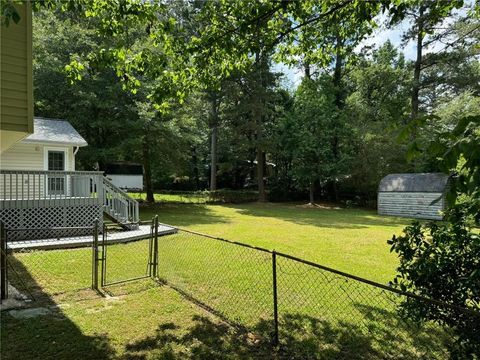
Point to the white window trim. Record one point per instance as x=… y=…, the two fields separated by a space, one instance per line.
x=51 y=148
x=46 y=149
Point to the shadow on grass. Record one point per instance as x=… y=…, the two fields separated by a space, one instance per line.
x=206 y=339
x=379 y=334
x=327 y=217
x=182 y=214
x=49 y=336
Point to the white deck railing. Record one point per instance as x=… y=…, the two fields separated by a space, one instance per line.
x=119 y=204
x=34 y=188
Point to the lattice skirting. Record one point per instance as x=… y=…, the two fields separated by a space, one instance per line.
x=41 y=219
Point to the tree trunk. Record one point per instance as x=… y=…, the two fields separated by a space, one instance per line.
x=312 y=195
x=261 y=175
x=195 y=168
x=258 y=120
x=214 y=141
x=337 y=82
x=417 y=67
x=307 y=70
x=213 y=155
x=148 y=170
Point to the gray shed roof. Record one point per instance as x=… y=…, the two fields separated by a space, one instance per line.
x=55 y=132
x=421 y=182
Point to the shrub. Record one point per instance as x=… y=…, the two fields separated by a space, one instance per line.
x=441 y=261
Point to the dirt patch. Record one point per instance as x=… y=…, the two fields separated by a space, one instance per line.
x=326 y=206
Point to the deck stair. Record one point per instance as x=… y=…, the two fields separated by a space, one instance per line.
x=119 y=207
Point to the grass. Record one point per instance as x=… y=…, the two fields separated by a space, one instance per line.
x=351 y=240
x=321 y=315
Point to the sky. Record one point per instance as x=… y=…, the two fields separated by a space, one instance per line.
x=293 y=76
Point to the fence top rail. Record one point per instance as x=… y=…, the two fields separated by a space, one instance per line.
x=39 y=172
x=341 y=273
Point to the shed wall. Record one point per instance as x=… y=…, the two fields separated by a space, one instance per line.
x=127 y=181
x=411 y=204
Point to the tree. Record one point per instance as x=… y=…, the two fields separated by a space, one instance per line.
x=377 y=108
x=306 y=133
x=425 y=16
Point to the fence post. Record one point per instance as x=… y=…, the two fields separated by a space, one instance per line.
x=155 y=249
x=104 y=255
x=275 y=298
x=3 y=262
x=95 y=256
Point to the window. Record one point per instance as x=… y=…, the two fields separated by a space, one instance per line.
x=56 y=162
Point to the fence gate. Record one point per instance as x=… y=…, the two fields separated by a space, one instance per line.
x=120 y=262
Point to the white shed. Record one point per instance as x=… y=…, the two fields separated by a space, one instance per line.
x=126 y=176
x=419 y=195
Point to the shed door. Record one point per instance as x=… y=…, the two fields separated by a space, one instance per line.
x=56 y=183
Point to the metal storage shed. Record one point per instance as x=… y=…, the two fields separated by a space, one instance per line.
x=413 y=195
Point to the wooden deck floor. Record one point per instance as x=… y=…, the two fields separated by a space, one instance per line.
x=142 y=232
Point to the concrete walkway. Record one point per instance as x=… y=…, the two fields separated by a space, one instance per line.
x=142 y=232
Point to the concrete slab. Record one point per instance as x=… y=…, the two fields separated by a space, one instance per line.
x=29 y=313
x=142 y=232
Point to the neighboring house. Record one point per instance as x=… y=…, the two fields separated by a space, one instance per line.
x=413 y=195
x=127 y=176
x=39 y=187
x=16 y=85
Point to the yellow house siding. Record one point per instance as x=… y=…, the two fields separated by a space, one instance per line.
x=16 y=95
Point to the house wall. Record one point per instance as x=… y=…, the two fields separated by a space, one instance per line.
x=411 y=204
x=134 y=182
x=16 y=95
x=28 y=156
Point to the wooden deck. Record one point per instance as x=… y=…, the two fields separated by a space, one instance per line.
x=142 y=232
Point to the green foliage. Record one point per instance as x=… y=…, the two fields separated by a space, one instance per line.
x=308 y=131
x=460 y=150
x=441 y=261
x=377 y=106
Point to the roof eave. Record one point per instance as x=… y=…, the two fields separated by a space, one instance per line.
x=60 y=143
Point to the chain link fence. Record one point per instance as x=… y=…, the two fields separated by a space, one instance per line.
x=125 y=261
x=306 y=310
x=41 y=274
x=310 y=311
x=235 y=281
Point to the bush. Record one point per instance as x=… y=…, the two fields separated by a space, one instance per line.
x=231 y=196
x=441 y=261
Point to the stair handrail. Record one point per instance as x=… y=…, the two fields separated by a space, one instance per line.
x=108 y=185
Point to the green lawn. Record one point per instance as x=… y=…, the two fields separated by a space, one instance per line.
x=322 y=315
x=352 y=240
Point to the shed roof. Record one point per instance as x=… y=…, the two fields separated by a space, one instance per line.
x=55 y=131
x=420 y=182
x=123 y=168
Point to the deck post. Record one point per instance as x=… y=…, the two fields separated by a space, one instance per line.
x=3 y=263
